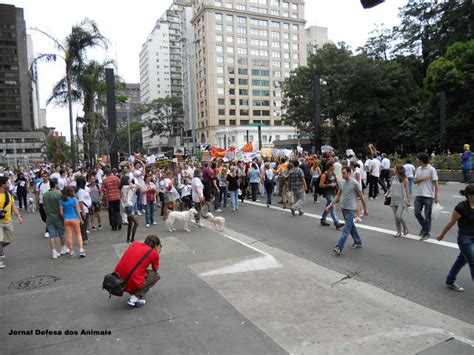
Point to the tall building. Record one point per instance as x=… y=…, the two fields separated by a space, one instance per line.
x=34 y=85
x=15 y=111
x=316 y=37
x=244 y=49
x=161 y=72
x=19 y=142
x=128 y=110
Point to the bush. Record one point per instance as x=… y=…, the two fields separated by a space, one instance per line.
x=441 y=161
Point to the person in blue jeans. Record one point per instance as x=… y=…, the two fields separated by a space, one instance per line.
x=328 y=184
x=233 y=188
x=348 y=194
x=463 y=215
x=426 y=192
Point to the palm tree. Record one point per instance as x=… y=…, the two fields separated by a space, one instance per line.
x=73 y=52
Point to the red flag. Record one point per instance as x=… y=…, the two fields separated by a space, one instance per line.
x=217 y=152
x=248 y=148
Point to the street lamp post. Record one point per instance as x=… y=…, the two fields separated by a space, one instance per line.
x=317 y=112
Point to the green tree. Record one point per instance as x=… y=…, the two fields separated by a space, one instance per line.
x=454 y=74
x=136 y=143
x=57 y=150
x=73 y=52
x=163 y=116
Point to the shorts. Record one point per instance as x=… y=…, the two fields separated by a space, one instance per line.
x=94 y=208
x=128 y=210
x=6 y=232
x=55 y=229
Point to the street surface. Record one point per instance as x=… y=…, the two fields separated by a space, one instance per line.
x=270 y=284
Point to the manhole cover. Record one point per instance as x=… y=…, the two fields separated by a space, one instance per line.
x=34 y=282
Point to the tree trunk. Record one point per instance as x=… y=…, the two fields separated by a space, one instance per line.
x=71 y=123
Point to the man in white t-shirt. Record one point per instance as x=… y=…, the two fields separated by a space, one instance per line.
x=426 y=192
x=99 y=174
x=385 y=173
x=197 y=194
x=410 y=174
x=41 y=189
x=374 y=174
x=56 y=174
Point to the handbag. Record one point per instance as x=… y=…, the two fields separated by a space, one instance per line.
x=388 y=201
x=114 y=284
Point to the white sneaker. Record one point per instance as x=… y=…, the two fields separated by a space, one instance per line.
x=54 y=254
x=64 y=250
x=88 y=232
x=218 y=210
x=139 y=213
x=46 y=235
x=147 y=226
x=82 y=253
x=200 y=225
x=154 y=223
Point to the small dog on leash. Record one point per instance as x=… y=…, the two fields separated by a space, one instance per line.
x=219 y=222
x=31 y=205
x=185 y=217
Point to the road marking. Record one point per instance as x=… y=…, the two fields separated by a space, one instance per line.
x=458 y=196
x=364 y=226
x=266 y=261
x=444 y=212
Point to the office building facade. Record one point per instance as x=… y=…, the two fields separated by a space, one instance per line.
x=244 y=49
x=316 y=37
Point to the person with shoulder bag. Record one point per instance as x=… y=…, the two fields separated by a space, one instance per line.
x=132 y=274
x=399 y=199
x=268 y=182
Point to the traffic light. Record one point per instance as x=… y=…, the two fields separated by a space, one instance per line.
x=367 y=4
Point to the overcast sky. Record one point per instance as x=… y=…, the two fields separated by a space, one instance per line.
x=128 y=23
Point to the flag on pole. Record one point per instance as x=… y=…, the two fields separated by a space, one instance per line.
x=248 y=148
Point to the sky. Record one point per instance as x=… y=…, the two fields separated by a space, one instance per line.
x=127 y=24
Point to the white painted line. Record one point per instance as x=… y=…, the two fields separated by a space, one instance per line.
x=364 y=226
x=264 y=262
x=458 y=196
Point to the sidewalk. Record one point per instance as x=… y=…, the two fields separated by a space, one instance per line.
x=219 y=294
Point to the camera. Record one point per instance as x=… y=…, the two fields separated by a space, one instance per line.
x=3 y=213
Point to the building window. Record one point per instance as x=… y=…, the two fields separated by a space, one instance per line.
x=221 y=112
x=220 y=91
x=275 y=24
x=220 y=80
x=240 y=7
x=229 y=18
x=218 y=17
x=286 y=26
x=277 y=74
x=219 y=49
x=260 y=72
x=286 y=46
x=257 y=82
x=243 y=102
x=294 y=7
x=242 y=51
x=243 y=81
x=231 y=81
x=277 y=123
x=285 y=4
x=218 y=27
x=276 y=64
x=275 y=34
x=286 y=55
x=229 y=29
x=242 y=61
x=243 y=91
x=221 y=122
x=221 y=101
x=244 y=112
x=241 y=19
x=220 y=70
x=275 y=44
x=218 y=38
x=261 y=102
x=229 y=39
x=232 y=91
x=243 y=71
x=295 y=56
x=228 y=5
x=241 y=30
x=233 y=123
x=232 y=102
x=261 y=92
x=275 y=2
x=241 y=40
x=218 y=3
x=295 y=28
x=275 y=54
x=232 y=112
x=230 y=50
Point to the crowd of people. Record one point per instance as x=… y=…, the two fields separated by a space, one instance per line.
x=70 y=200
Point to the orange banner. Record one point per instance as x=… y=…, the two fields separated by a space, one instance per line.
x=248 y=148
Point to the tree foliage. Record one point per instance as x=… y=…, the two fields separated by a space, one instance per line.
x=56 y=148
x=136 y=143
x=162 y=116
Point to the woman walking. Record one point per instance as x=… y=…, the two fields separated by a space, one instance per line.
x=399 y=193
x=463 y=215
x=128 y=195
x=150 y=201
x=268 y=182
x=70 y=212
x=84 y=199
x=254 y=178
x=315 y=175
x=222 y=177
x=233 y=188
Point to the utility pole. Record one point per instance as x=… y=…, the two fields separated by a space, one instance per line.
x=128 y=124
x=259 y=137
x=112 y=116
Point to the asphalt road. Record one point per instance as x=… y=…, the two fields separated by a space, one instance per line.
x=408 y=268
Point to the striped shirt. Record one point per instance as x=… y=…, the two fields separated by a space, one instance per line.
x=111 y=185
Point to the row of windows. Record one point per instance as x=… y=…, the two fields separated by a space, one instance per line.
x=256 y=22
x=254 y=51
x=245 y=92
x=245 y=102
x=243 y=112
x=275 y=3
x=255 y=82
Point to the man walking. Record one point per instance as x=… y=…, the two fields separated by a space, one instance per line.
x=385 y=173
x=111 y=188
x=374 y=176
x=7 y=206
x=349 y=192
x=54 y=222
x=297 y=185
x=426 y=191
x=328 y=183
x=41 y=189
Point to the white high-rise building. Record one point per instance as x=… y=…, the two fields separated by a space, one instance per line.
x=316 y=37
x=161 y=72
x=244 y=49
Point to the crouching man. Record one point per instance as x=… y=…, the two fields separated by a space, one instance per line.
x=142 y=279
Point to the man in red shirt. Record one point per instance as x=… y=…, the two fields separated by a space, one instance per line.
x=111 y=187
x=142 y=279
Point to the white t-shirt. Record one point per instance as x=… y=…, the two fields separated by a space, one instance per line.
x=363 y=172
x=43 y=187
x=100 y=175
x=375 y=167
x=269 y=174
x=357 y=176
x=385 y=163
x=151 y=159
x=409 y=170
x=55 y=175
x=197 y=185
x=186 y=190
x=83 y=196
x=61 y=183
x=426 y=188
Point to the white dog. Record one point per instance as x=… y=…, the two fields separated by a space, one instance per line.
x=31 y=205
x=185 y=217
x=219 y=222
